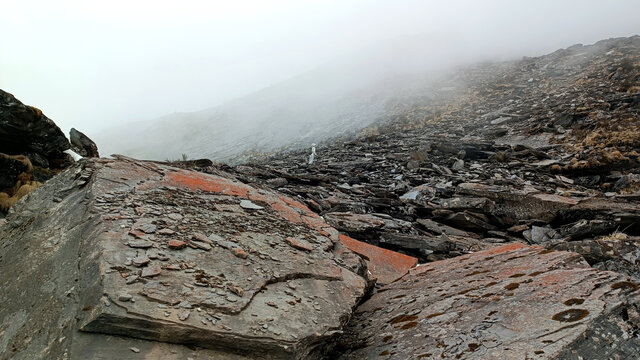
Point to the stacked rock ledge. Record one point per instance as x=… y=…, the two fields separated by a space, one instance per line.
x=90 y=244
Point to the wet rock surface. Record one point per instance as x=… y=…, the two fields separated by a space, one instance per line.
x=146 y=251
x=511 y=302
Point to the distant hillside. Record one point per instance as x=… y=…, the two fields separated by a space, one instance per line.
x=336 y=99
x=406 y=83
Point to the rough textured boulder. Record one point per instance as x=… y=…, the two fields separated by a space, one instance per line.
x=81 y=144
x=511 y=302
x=26 y=130
x=146 y=253
x=31 y=150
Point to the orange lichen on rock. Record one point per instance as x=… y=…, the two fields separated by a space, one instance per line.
x=385 y=265
x=506 y=248
x=289 y=209
x=286 y=212
x=298 y=205
x=197 y=181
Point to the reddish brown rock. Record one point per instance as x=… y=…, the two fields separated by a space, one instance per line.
x=138 y=234
x=299 y=244
x=177 y=244
x=240 y=253
x=511 y=302
x=384 y=265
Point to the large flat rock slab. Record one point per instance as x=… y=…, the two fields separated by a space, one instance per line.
x=511 y=302
x=142 y=250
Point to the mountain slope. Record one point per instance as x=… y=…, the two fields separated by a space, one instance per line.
x=333 y=100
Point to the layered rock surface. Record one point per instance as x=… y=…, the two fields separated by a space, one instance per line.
x=539 y=151
x=511 y=302
x=141 y=250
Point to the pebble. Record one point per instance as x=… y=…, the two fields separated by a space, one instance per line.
x=140 y=244
x=166 y=232
x=151 y=271
x=125 y=297
x=458 y=165
x=201 y=245
x=201 y=238
x=175 y=216
x=184 y=315
x=177 y=244
x=299 y=244
x=239 y=253
x=140 y=261
x=148 y=228
x=246 y=204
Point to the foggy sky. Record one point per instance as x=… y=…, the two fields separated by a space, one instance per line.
x=92 y=65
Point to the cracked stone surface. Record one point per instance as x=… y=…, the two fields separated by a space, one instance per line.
x=510 y=302
x=142 y=250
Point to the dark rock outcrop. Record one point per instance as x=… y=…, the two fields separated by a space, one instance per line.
x=81 y=144
x=12 y=167
x=31 y=150
x=25 y=130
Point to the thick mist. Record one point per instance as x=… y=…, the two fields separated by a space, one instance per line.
x=334 y=99
x=213 y=79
